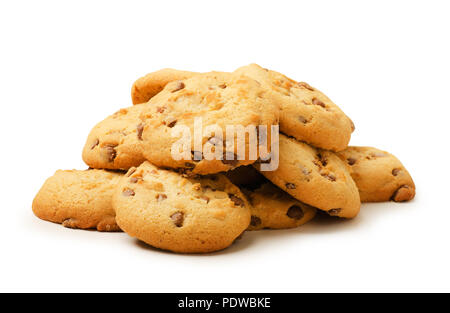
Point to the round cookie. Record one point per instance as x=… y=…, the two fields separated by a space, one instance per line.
x=149 y=85
x=218 y=99
x=306 y=113
x=183 y=215
x=273 y=208
x=379 y=175
x=316 y=177
x=79 y=199
x=116 y=142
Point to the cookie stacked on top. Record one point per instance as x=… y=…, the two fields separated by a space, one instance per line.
x=198 y=203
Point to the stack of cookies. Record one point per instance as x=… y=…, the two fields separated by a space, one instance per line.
x=199 y=203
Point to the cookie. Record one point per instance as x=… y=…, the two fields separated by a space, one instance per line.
x=306 y=113
x=217 y=99
x=116 y=142
x=179 y=214
x=79 y=199
x=273 y=208
x=316 y=177
x=149 y=85
x=379 y=175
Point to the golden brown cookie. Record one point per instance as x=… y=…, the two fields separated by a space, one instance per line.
x=316 y=177
x=379 y=175
x=184 y=215
x=217 y=99
x=306 y=113
x=149 y=85
x=272 y=208
x=79 y=199
x=116 y=142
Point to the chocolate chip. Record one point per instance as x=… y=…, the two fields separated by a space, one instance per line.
x=295 y=212
x=160 y=109
x=302 y=119
x=161 y=197
x=351 y=161
x=316 y=101
x=140 y=130
x=179 y=85
x=223 y=86
x=171 y=123
x=111 y=152
x=322 y=159
x=404 y=193
x=236 y=200
x=395 y=171
x=255 y=221
x=127 y=192
x=95 y=144
x=290 y=186
x=178 y=219
x=189 y=165
x=334 y=212
x=134 y=180
x=305 y=85
x=229 y=158
x=330 y=177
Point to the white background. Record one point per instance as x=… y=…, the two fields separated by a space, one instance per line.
x=64 y=66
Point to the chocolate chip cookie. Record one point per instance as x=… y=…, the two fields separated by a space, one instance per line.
x=149 y=85
x=79 y=199
x=272 y=208
x=379 y=175
x=316 y=177
x=306 y=113
x=184 y=215
x=116 y=142
x=217 y=100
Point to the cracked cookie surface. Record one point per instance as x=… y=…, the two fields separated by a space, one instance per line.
x=219 y=99
x=272 y=208
x=183 y=215
x=316 y=177
x=306 y=113
x=149 y=85
x=79 y=199
x=379 y=175
x=116 y=142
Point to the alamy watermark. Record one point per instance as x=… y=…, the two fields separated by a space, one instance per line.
x=235 y=143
